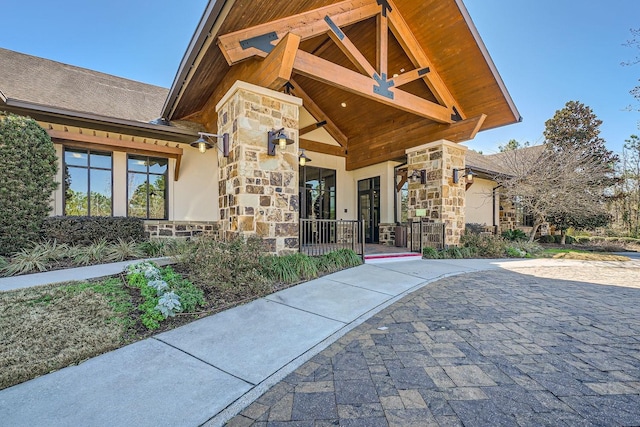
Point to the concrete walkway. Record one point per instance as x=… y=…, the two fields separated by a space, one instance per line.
x=211 y=369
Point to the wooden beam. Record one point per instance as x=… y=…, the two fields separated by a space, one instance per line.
x=403 y=179
x=95 y=142
x=371 y=150
x=349 y=49
x=319 y=147
x=416 y=54
x=409 y=76
x=271 y=72
x=318 y=114
x=275 y=70
x=305 y=130
x=306 y=25
x=382 y=51
x=334 y=75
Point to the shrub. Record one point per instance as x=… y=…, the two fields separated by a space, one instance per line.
x=165 y=293
x=289 y=268
x=123 y=249
x=558 y=238
x=38 y=257
x=529 y=248
x=84 y=230
x=515 y=234
x=547 y=239
x=473 y=228
x=430 y=253
x=513 y=252
x=28 y=167
x=224 y=269
x=485 y=246
x=337 y=260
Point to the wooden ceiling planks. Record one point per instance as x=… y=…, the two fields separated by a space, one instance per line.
x=440 y=30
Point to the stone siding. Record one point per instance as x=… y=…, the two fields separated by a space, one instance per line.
x=181 y=229
x=258 y=193
x=441 y=198
x=387 y=234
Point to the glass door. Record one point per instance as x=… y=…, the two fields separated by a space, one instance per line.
x=369 y=208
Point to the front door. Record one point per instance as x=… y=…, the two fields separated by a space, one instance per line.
x=369 y=208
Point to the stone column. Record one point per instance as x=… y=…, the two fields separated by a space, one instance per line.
x=440 y=199
x=258 y=193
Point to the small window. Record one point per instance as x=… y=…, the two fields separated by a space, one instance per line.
x=147 y=187
x=88 y=183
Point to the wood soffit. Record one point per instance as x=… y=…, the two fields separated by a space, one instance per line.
x=398 y=71
x=98 y=140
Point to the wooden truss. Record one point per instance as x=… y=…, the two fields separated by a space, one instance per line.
x=278 y=44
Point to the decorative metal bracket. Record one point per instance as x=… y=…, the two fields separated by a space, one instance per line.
x=385 y=6
x=383 y=85
x=262 y=42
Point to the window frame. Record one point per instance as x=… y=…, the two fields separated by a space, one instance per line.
x=147 y=160
x=88 y=168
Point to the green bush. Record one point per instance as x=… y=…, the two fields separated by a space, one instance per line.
x=430 y=253
x=558 y=238
x=84 y=230
x=547 y=239
x=28 y=167
x=484 y=246
x=225 y=270
x=474 y=228
x=515 y=234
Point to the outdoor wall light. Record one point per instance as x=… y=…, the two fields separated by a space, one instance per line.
x=303 y=159
x=207 y=140
x=467 y=174
x=419 y=174
x=277 y=138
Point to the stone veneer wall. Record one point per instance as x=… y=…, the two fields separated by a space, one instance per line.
x=507 y=214
x=181 y=229
x=443 y=200
x=387 y=235
x=258 y=193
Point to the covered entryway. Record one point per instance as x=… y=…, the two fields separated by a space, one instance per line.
x=358 y=84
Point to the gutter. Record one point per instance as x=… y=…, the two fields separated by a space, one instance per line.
x=487 y=57
x=98 y=122
x=201 y=37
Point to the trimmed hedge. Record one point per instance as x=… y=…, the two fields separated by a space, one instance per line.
x=28 y=166
x=84 y=230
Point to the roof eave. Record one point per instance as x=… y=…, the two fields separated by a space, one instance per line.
x=83 y=119
x=487 y=57
x=203 y=32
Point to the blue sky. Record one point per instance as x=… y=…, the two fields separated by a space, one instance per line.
x=547 y=52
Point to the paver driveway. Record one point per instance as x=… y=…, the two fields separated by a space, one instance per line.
x=494 y=348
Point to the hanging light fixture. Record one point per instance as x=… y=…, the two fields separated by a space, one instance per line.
x=207 y=140
x=277 y=138
x=303 y=159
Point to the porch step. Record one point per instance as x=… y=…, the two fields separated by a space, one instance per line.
x=391 y=257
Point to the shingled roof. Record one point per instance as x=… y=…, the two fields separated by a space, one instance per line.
x=498 y=163
x=53 y=84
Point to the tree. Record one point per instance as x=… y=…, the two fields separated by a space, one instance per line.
x=564 y=181
x=625 y=205
x=634 y=42
x=513 y=145
x=27 y=169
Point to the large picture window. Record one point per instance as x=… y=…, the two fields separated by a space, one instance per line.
x=317 y=193
x=88 y=183
x=147 y=187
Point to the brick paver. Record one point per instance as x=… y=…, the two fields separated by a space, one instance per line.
x=496 y=348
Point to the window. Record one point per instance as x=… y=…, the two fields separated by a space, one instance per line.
x=88 y=182
x=523 y=217
x=317 y=193
x=146 y=187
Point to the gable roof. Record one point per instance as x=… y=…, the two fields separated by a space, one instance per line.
x=435 y=39
x=50 y=83
x=499 y=163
